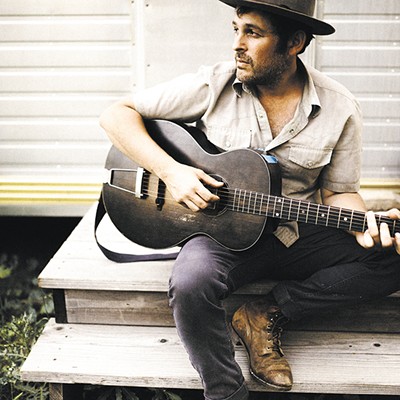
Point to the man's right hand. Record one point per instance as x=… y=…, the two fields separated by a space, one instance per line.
x=186 y=185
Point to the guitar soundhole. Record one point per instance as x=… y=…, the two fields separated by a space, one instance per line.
x=220 y=206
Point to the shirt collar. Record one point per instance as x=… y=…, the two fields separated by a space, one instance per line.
x=310 y=100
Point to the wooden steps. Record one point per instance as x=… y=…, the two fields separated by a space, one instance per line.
x=114 y=327
x=322 y=362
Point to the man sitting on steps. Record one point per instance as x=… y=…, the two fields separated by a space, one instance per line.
x=267 y=99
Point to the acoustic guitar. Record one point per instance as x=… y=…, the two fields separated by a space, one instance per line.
x=143 y=210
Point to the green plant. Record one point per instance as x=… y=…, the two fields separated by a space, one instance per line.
x=16 y=339
x=19 y=292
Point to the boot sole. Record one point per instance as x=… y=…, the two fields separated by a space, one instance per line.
x=268 y=384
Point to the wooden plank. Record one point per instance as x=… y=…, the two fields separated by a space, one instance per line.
x=383 y=173
x=66 y=81
x=359 y=29
x=382 y=157
x=141 y=356
x=359 y=82
x=380 y=106
x=57 y=129
x=358 y=56
x=365 y=7
x=152 y=309
x=381 y=132
x=50 y=106
x=64 y=7
x=54 y=154
x=67 y=29
x=66 y=55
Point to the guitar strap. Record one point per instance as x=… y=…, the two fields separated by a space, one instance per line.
x=123 y=257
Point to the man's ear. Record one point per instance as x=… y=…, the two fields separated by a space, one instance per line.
x=297 y=42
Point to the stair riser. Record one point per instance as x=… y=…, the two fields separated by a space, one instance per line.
x=152 y=309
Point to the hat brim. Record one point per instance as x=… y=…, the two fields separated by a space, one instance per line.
x=316 y=26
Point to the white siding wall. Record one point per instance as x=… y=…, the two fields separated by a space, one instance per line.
x=63 y=61
x=364 y=54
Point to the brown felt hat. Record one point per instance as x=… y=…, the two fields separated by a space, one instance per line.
x=298 y=10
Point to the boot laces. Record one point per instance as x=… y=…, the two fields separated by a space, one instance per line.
x=274 y=329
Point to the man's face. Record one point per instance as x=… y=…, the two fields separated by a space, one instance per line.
x=257 y=57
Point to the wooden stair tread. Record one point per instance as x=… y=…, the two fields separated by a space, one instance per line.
x=322 y=362
x=79 y=264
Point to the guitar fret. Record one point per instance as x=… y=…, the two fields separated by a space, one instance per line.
x=351 y=220
x=313 y=209
x=277 y=213
x=338 y=220
x=364 y=221
x=283 y=209
x=308 y=210
x=327 y=217
x=261 y=203
x=248 y=203
x=239 y=193
x=268 y=212
x=358 y=222
x=393 y=231
x=286 y=210
x=344 y=219
x=298 y=210
x=290 y=210
x=321 y=215
x=303 y=209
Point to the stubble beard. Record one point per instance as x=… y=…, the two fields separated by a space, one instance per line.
x=269 y=75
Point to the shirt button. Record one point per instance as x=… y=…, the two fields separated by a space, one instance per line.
x=291 y=131
x=228 y=144
x=310 y=164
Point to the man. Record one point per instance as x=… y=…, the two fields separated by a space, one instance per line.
x=267 y=100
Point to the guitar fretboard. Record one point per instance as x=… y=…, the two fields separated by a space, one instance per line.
x=250 y=202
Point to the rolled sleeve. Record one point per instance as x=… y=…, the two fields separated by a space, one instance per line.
x=185 y=98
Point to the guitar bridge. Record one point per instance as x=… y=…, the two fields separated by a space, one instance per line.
x=139 y=182
x=123 y=179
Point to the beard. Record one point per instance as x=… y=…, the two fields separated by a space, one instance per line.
x=269 y=74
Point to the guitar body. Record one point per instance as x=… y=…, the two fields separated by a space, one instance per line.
x=144 y=211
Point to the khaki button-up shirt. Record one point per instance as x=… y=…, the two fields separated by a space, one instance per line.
x=319 y=148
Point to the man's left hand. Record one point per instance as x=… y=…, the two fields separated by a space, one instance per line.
x=379 y=236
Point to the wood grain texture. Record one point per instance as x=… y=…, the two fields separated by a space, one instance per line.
x=322 y=362
x=152 y=309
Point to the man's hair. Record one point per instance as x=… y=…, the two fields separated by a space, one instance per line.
x=283 y=27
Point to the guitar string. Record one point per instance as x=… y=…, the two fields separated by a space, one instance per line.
x=260 y=201
x=306 y=210
x=226 y=195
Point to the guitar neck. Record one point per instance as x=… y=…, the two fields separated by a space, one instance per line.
x=304 y=211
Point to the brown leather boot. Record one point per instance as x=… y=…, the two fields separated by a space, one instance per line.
x=258 y=325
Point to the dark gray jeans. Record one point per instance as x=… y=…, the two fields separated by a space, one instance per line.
x=324 y=269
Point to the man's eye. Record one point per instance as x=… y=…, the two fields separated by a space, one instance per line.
x=252 y=33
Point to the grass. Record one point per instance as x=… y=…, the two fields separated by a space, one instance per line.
x=26 y=245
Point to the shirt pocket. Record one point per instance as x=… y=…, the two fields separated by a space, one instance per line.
x=301 y=169
x=310 y=158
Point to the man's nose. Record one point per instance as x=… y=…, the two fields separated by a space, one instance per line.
x=238 y=43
